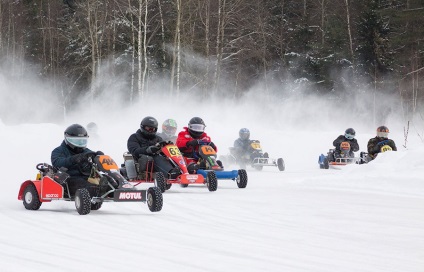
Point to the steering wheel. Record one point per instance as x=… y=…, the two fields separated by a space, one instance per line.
x=43 y=167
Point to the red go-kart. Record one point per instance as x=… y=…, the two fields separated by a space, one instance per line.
x=50 y=184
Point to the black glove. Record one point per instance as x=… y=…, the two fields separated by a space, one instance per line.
x=211 y=144
x=79 y=158
x=99 y=153
x=192 y=143
x=152 y=149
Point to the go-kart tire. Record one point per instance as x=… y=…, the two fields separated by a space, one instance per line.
x=154 y=199
x=168 y=186
x=280 y=164
x=83 y=201
x=160 y=181
x=241 y=179
x=326 y=163
x=31 y=199
x=96 y=206
x=184 y=185
x=211 y=181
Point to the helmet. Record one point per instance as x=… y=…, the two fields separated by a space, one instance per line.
x=350 y=133
x=92 y=127
x=149 y=127
x=196 y=127
x=76 y=136
x=382 y=132
x=244 y=134
x=169 y=127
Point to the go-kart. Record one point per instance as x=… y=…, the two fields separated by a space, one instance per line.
x=212 y=169
x=51 y=184
x=254 y=157
x=336 y=160
x=130 y=169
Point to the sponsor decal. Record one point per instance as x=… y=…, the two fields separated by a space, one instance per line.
x=127 y=185
x=130 y=196
x=192 y=178
x=52 y=195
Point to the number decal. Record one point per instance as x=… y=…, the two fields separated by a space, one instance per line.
x=385 y=148
x=208 y=150
x=108 y=163
x=173 y=150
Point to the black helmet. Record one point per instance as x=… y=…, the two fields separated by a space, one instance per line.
x=350 y=133
x=169 y=127
x=149 y=127
x=196 y=127
x=76 y=136
x=382 y=132
x=244 y=134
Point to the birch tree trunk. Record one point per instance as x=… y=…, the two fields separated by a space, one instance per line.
x=139 y=50
x=143 y=85
x=349 y=29
x=176 y=53
x=219 y=40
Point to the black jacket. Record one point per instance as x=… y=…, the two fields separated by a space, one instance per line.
x=354 y=146
x=61 y=157
x=374 y=147
x=137 y=144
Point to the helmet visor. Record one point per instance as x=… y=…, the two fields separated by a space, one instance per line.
x=77 y=141
x=382 y=134
x=150 y=129
x=197 y=127
x=170 y=130
x=349 y=136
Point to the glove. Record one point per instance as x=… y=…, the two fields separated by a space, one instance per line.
x=152 y=149
x=79 y=158
x=99 y=153
x=380 y=144
x=211 y=144
x=192 y=143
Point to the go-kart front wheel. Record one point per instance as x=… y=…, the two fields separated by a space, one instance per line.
x=280 y=164
x=83 y=201
x=31 y=198
x=241 y=178
x=154 y=199
x=160 y=181
x=211 y=181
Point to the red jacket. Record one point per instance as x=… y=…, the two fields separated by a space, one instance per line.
x=184 y=137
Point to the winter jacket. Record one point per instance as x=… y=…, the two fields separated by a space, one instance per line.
x=354 y=146
x=375 y=144
x=241 y=146
x=62 y=157
x=184 y=137
x=137 y=144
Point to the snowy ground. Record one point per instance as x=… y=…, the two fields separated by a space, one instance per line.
x=364 y=218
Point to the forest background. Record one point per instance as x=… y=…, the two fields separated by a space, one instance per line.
x=347 y=52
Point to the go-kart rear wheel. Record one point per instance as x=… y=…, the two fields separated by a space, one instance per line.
x=280 y=164
x=211 y=181
x=242 y=178
x=83 y=201
x=154 y=199
x=31 y=198
x=160 y=181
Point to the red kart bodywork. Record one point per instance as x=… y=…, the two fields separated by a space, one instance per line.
x=47 y=189
x=172 y=152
